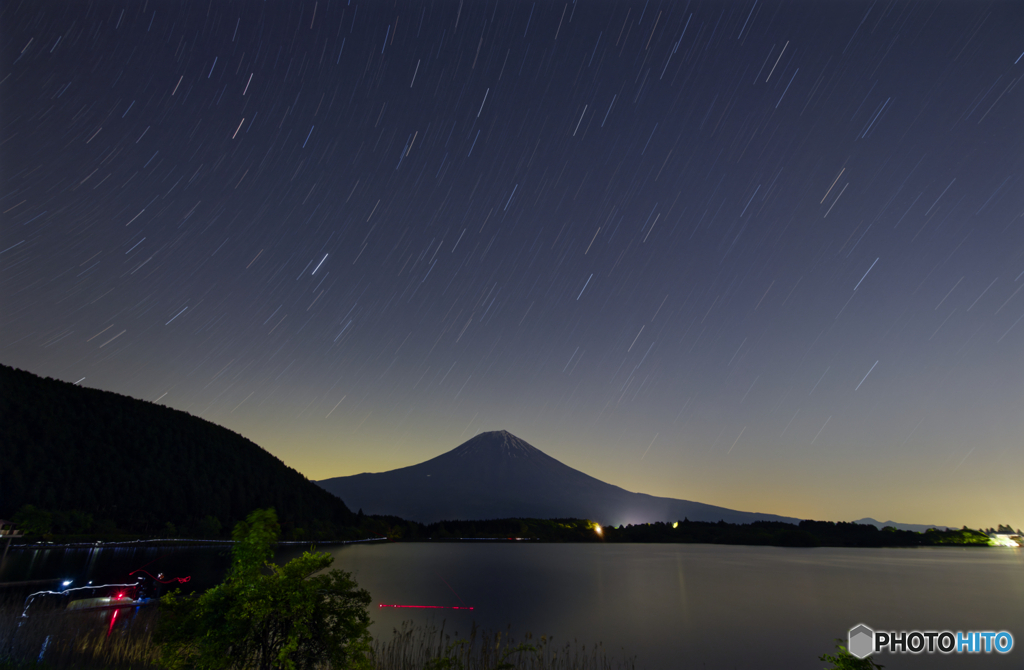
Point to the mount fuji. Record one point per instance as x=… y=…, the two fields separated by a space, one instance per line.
x=496 y=475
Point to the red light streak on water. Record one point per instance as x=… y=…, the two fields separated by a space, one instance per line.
x=426 y=607
x=112 y=620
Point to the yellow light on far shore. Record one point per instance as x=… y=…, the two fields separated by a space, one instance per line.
x=597 y=528
x=675 y=524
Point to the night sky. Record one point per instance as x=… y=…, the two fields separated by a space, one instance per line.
x=762 y=255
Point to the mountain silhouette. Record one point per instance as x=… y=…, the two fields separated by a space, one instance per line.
x=916 y=527
x=140 y=465
x=496 y=475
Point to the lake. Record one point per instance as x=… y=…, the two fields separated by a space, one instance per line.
x=670 y=606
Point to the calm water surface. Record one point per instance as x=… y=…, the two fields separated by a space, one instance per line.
x=670 y=606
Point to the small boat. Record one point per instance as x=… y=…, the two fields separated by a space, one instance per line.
x=144 y=591
x=107 y=602
x=85 y=598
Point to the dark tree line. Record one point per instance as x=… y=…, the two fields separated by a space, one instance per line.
x=767 y=533
x=117 y=463
x=805 y=534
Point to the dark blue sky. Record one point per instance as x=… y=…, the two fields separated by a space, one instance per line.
x=757 y=254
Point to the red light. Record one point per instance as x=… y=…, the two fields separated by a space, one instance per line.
x=112 y=620
x=180 y=580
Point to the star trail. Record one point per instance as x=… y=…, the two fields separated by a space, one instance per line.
x=763 y=255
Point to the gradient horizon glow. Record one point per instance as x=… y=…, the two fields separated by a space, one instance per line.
x=762 y=255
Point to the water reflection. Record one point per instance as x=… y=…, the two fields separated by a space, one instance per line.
x=673 y=606
x=700 y=605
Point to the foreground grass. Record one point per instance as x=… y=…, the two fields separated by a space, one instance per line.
x=417 y=647
x=61 y=639
x=57 y=639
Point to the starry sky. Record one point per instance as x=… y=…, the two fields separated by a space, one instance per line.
x=764 y=255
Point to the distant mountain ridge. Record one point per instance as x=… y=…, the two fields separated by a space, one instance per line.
x=916 y=527
x=498 y=475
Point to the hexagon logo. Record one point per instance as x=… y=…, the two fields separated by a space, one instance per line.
x=861 y=641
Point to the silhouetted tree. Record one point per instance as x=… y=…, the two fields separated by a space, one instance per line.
x=290 y=618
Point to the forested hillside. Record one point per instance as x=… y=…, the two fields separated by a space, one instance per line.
x=141 y=467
